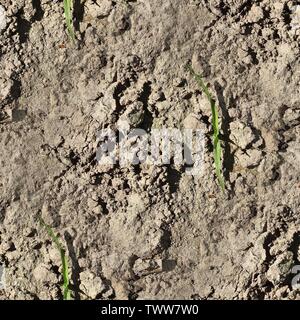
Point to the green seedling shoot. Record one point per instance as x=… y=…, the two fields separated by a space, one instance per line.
x=215 y=126
x=68 y=9
x=64 y=260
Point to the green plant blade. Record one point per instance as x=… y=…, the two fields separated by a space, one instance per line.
x=64 y=260
x=66 y=279
x=215 y=125
x=68 y=8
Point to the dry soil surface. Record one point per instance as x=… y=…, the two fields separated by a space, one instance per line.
x=141 y=231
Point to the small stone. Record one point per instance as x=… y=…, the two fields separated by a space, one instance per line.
x=256 y=13
x=109 y=293
x=295 y=17
x=18 y=115
x=92 y=203
x=98 y=210
x=202 y=106
x=91 y=284
x=178 y=82
x=6 y=246
x=100 y=8
x=233 y=113
x=279 y=270
x=162 y=105
x=291 y=117
x=2 y=277
x=3 y=20
x=145 y=267
x=95 y=196
x=88 y=89
x=241 y=134
x=134 y=115
x=29 y=232
x=242 y=53
x=101 y=112
x=270 y=139
x=82 y=263
x=247 y=59
x=293 y=153
x=54 y=255
x=278 y=7
x=42 y=273
x=5 y=88
x=250 y=159
x=193 y=122
x=156 y=96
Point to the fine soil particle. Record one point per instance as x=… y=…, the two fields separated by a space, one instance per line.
x=149 y=232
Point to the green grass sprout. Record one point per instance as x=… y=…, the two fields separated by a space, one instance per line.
x=64 y=260
x=215 y=126
x=68 y=9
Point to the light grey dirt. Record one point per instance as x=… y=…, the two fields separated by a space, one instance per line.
x=150 y=232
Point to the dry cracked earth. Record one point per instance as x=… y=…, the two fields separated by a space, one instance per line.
x=150 y=232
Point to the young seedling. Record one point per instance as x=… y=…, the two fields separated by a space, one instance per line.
x=64 y=260
x=68 y=8
x=215 y=126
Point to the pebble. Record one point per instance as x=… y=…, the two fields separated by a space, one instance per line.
x=251 y=158
x=91 y=284
x=241 y=134
x=3 y=19
x=2 y=277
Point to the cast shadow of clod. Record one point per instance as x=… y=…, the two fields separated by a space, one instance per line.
x=75 y=266
x=228 y=155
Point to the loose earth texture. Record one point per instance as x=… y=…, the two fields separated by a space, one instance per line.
x=150 y=232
